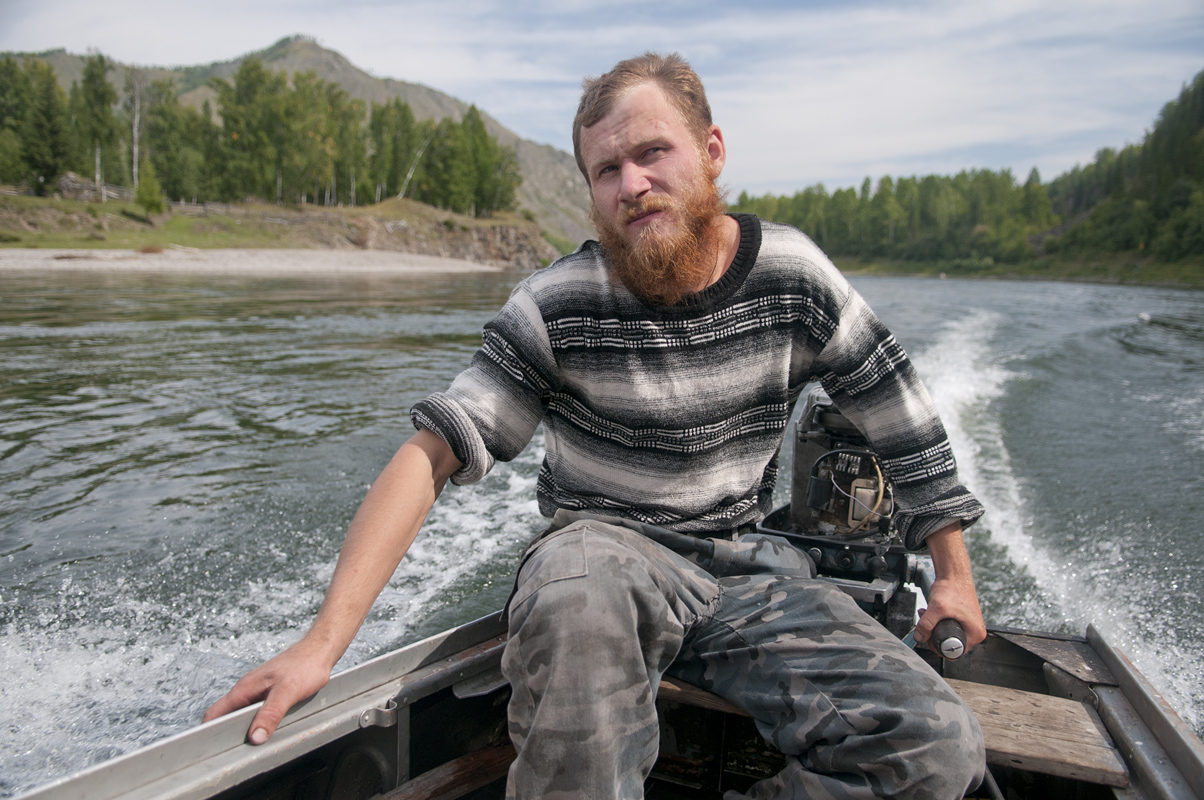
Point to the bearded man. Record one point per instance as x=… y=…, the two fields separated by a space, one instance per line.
x=663 y=363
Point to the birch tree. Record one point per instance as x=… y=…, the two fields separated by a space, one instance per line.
x=96 y=119
x=135 y=95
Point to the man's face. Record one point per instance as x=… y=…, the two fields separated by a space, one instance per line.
x=655 y=201
x=641 y=157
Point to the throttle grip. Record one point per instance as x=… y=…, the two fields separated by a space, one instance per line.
x=949 y=638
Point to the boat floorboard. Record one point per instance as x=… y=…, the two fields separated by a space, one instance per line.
x=458 y=777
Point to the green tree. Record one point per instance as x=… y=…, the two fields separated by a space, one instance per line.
x=45 y=143
x=446 y=180
x=394 y=137
x=886 y=214
x=495 y=174
x=346 y=118
x=135 y=98
x=907 y=193
x=175 y=139
x=813 y=204
x=309 y=144
x=308 y=141
x=95 y=123
x=1143 y=194
x=976 y=214
x=16 y=97
x=1036 y=206
x=251 y=108
x=1182 y=234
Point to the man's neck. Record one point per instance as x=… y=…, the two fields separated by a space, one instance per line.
x=729 y=244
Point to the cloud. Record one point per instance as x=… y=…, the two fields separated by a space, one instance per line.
x=805 y=92
x=987 y=80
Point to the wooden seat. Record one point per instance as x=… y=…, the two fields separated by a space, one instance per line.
x=1026 y=730
x=1030 y=731
x=1045 y=734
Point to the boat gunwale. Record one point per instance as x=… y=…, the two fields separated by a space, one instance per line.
x=214 y=757
x=1175 y=737
x=220 y=750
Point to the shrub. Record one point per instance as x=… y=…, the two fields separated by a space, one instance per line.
x=149 y=195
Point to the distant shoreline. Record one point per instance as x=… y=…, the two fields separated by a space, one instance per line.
x=269 y=262
x=1121 y=269
x=235 y=261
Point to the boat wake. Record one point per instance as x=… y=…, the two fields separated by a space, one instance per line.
x=1027 y=575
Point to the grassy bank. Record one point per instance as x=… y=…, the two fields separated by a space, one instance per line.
x=1130 y=268
x=62 y=223
x=68 y=224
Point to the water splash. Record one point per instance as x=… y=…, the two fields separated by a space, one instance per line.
x=1039 y=586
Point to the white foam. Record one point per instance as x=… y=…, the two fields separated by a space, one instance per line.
x=468 y=528
x=77 y=691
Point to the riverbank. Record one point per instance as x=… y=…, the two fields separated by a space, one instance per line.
x=400 y=227
x=1121 y=269
x=241 y=261
x=401 y=231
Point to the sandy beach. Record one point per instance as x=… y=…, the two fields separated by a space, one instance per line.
x=234 y=262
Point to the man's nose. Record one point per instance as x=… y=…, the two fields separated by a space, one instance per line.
x=634 y=182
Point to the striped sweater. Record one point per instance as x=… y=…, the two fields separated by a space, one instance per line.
x=675 y=415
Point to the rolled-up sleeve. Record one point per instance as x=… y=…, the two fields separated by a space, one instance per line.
x=869 y=377
x=491 y=410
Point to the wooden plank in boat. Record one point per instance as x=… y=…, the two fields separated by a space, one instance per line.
x=681 y=692
x=1030 y=731
x=1043 y=734
x=458 y=777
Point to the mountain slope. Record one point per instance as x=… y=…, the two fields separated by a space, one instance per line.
x=552 y=187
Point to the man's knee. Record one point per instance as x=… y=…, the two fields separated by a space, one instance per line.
x=939 y=746
x=962 y=748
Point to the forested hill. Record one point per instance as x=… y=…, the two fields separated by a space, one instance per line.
x=297 y=123
x=1147 y=199
x=551 y=187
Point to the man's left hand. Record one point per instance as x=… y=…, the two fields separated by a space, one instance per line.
x=953 y=595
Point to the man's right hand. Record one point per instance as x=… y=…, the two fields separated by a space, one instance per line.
x=297 y=673
x=381 y=533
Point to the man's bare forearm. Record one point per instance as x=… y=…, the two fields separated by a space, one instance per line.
x=383 y=530
x=949 y=555
x=381 y=533
x=953 y=594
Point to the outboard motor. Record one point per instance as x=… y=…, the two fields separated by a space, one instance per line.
x=842 y=514
x=839 y=488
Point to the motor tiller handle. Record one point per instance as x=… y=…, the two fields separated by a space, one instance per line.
x=949 y=638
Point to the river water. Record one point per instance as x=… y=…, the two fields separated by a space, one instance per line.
x=180 y=457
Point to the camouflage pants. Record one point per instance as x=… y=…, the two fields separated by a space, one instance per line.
x=602 y=611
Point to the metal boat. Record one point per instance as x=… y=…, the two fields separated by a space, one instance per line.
x=1065 y=717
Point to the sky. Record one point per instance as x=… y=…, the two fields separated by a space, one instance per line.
x=804 y=92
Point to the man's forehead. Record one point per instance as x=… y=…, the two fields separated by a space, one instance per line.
x=647 y=96
x=640 y=115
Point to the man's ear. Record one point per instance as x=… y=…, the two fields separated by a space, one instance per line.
x=716 y=150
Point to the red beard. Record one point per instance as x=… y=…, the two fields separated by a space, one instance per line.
x=662 y=269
